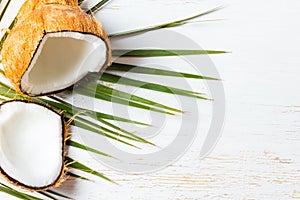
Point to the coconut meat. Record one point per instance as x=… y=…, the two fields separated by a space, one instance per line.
x=62 y=59
x=31 y=144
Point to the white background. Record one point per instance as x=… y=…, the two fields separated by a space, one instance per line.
x=258 y=155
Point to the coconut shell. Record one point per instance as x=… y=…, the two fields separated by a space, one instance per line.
x=37 y=18
x=30 y=5
x=64 y=168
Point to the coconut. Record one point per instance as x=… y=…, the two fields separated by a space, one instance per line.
x=53 y=45
x=32 y=140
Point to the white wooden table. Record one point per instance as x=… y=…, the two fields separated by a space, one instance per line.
x=258 y=155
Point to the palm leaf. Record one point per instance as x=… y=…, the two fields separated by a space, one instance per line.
x=102 y=96
x=153 y=71
x=47 y=195
x=165 y=25
x=88 y=125
x=77 y=165
x=161 y=52
x=126 y=132
x=88 y=113
x=77 y=176
x=80 y=2
x=6 y=33
x=84 y=147
x=10 y=27
x=174 y=24
x=6 y=189
x=97 y=6
x=92 y=127
x=103 y=89
x=4 y=9
x=7 y=92
x=92 y=114
x=79 y=121
x=137 y=138
x=67 y=106
x=57 y=194
x=112 y=78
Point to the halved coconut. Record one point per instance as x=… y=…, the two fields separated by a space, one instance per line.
x=31 y=145
x=53 y=45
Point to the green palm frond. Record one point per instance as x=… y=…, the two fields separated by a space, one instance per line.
x=97 y=6
x=86 y=148
x=165 y=25
x=77 y=165
x=80 y=2
x=90 y=113
x=174 y=24
x=4 y=9
x=21 y=195
x=77 y=121
x=8 y=190
x=112 y=78
x=100 y=88
x=70 y=174
x=69 y=107
x=95 y=128
x=47 y=195
x=6 y=33
x=154 y=71
x=161 y=52
x=89 y=91
x=57 y=194
x=10 y=27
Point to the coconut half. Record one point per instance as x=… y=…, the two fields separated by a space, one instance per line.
x=62 y=59
x=31 y=145
x=53 y=45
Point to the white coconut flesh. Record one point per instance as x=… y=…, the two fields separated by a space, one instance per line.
x=62 y=59
x=31 y=144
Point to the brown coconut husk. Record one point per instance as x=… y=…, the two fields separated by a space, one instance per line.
x=37 y=18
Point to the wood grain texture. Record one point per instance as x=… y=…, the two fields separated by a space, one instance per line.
x=258 y=155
